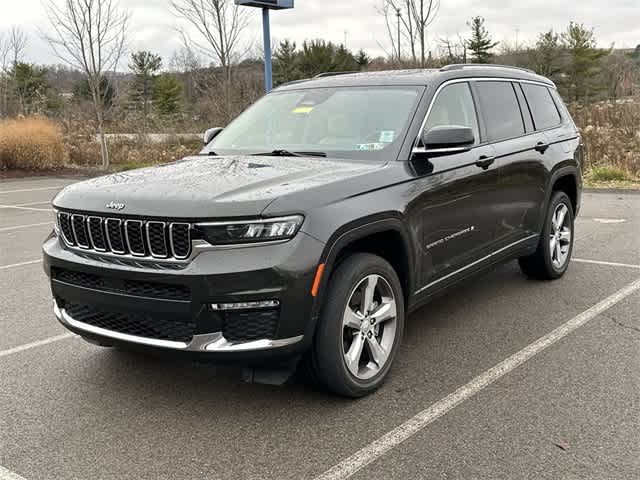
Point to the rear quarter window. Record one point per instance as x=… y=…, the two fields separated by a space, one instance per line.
x=543 y=109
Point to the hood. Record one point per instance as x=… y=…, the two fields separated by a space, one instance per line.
x=208 y=187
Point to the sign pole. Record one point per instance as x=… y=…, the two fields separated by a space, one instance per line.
x=268 y=68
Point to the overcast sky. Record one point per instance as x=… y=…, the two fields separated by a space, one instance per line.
x=153 y=27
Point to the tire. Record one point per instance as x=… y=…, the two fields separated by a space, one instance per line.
x=546 y=264
x=347 y=290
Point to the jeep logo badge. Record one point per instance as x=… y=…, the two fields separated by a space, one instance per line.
x=115 y=206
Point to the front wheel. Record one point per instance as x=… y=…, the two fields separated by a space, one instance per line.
x=551 y=259
x=360 y=326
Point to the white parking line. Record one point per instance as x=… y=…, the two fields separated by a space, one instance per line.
x=18 y=227
x=21 y=264
x=610 y=264
x=39 y=343
x=9 y=475
x=59 y=187
x=45 y=202
x=27 y=208
x=395 y=437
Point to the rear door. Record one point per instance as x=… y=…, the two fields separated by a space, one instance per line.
x=508 y=126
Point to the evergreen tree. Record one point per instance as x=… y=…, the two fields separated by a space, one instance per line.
x=167 y=95
x=480 y=44
x=319 y=56
x=145 y=66
x=362 y=59
x=30 y=86
x=582 y=79
x=546 y=57
x=285 y=63
x=82 y=91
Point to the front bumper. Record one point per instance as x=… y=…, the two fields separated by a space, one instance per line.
x=282 y=272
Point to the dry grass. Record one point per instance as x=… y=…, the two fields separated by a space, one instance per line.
x=31 y=143
x=611 y=134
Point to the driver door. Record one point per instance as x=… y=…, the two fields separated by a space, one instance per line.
x=457 y=197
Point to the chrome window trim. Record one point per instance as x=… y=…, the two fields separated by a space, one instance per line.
x=75 y=235
x=468 y=80
x=474 y=263
x=173 y=250
x=166 y=246
x=209 y=343
x=106 y=229
x=93 y=244
x=126 y=236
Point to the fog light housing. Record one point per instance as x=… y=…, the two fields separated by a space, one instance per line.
x=262 y=304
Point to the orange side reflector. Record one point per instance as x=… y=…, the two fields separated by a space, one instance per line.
x=317 y=280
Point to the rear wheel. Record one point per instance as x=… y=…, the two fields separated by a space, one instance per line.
x=360 y=326
x=552 y=258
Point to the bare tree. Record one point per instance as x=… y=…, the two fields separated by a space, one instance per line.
x=5 y=46
x=89 y=35
x=17 y=44
x=220 y=24
x=414 y=17
x=424 y=12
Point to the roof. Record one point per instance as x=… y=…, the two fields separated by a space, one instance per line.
x=421 y=77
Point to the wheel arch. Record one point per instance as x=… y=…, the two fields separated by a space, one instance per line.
x=383 y=235
x=566 y=179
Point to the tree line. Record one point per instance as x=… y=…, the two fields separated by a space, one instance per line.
x=214 y=74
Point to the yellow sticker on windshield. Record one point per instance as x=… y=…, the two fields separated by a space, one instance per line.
x=302 y=110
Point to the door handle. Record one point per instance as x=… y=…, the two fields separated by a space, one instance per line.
x=541 y=147
x=485 y=161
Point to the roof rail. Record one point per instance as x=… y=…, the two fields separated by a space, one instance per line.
x=460 y=66
x=334 y=74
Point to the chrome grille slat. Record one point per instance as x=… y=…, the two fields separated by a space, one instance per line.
x=133 y=232
x=64 y=222
x=96 y=234
x=144 y=239
x=157 y=239
x=79 y=229
x=180 y=240
x=115 y=239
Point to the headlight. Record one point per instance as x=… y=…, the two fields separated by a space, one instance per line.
x=251 y=231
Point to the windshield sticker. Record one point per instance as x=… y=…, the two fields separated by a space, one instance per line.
x=302 y=110
x=387 y=136
x=368 y=147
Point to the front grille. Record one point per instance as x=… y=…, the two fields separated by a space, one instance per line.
x=138 y=324
x=128 y=287
x=138 y=238
x=250 y=325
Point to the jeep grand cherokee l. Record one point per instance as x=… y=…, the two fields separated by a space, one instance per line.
x=310 y=226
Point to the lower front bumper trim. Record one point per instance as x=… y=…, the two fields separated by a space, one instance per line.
x=211 y=342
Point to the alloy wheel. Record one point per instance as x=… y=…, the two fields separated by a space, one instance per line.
x=560 y=236
x=369 y=327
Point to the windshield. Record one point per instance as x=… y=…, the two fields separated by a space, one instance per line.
x=366 y=123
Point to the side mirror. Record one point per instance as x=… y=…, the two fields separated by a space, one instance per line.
x=447 y=140
x=211 y=134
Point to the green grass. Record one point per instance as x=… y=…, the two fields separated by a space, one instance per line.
x=608 y=174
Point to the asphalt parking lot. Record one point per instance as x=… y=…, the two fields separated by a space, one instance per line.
x=503 y=378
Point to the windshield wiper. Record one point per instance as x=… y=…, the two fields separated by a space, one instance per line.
x=287 y=153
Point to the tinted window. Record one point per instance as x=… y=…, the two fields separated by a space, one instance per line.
x=524 y=108
x=500 y=110
x=454 y=106
x=544 y=111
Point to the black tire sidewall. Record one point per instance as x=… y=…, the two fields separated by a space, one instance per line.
x=328 y=356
